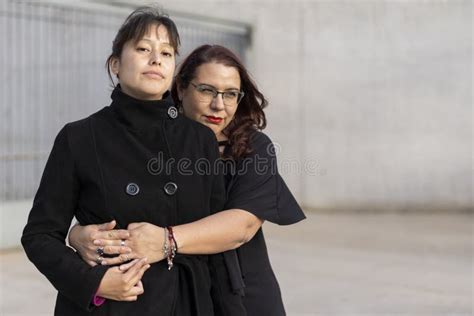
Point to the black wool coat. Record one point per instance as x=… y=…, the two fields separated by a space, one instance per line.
x=133 y=161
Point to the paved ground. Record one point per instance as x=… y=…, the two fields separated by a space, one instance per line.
x=346 y=264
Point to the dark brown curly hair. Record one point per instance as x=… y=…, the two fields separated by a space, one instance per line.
x=249 y=116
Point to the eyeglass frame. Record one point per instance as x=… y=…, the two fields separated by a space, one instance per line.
x=240 y=96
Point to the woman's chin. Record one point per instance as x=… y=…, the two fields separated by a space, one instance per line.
x=152 y=93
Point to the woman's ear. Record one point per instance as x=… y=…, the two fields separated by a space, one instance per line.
x=115 y=66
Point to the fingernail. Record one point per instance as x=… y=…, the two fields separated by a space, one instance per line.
x=148 y=266
x=104 y=262
x=97 y=242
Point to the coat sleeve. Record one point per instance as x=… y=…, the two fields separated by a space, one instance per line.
x=48 y=224
x=258 y=188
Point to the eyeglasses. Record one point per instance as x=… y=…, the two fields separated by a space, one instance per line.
x=208 y=93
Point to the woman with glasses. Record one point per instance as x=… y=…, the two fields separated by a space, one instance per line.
x=213 y=88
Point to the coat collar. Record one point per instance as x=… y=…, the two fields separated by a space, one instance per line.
x=140 y=114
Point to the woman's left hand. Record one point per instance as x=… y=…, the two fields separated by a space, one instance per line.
x=145 y=240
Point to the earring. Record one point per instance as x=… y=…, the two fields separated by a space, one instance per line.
x=179 y=106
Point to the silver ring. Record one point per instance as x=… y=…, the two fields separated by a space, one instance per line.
x=100 y=251
x=98 y=260
x=122 y=243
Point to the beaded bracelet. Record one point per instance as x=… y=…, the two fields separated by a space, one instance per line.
x=173 y=247
x=165 y=248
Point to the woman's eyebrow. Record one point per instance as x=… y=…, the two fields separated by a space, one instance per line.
x=206 y=85
x=211 y=86
x=152 y=41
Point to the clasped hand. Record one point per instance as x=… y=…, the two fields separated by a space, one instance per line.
x=139 y=240
x=135 y=248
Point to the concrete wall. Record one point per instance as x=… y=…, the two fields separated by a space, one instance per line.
x=376 y=93
x=13 y=217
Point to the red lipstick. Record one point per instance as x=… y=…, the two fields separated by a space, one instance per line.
x=213 y=119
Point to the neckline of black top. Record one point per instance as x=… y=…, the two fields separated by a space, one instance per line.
x=140 y=114
x=223 y=143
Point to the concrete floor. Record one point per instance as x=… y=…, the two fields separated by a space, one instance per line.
x=345 y=264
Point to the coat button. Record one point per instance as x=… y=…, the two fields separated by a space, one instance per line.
x=170 y=188
x=172 y=112
x=132 y=189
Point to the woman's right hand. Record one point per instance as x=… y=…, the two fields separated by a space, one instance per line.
x=124 y=283
x=82 y=239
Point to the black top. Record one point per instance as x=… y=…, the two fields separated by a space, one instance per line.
x=113 y=165
x=246 y=284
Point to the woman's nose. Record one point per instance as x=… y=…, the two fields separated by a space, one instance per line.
x=217 y=103
x=155 y=59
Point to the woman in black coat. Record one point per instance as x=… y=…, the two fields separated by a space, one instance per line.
x=213 y=87
x=108 y=166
